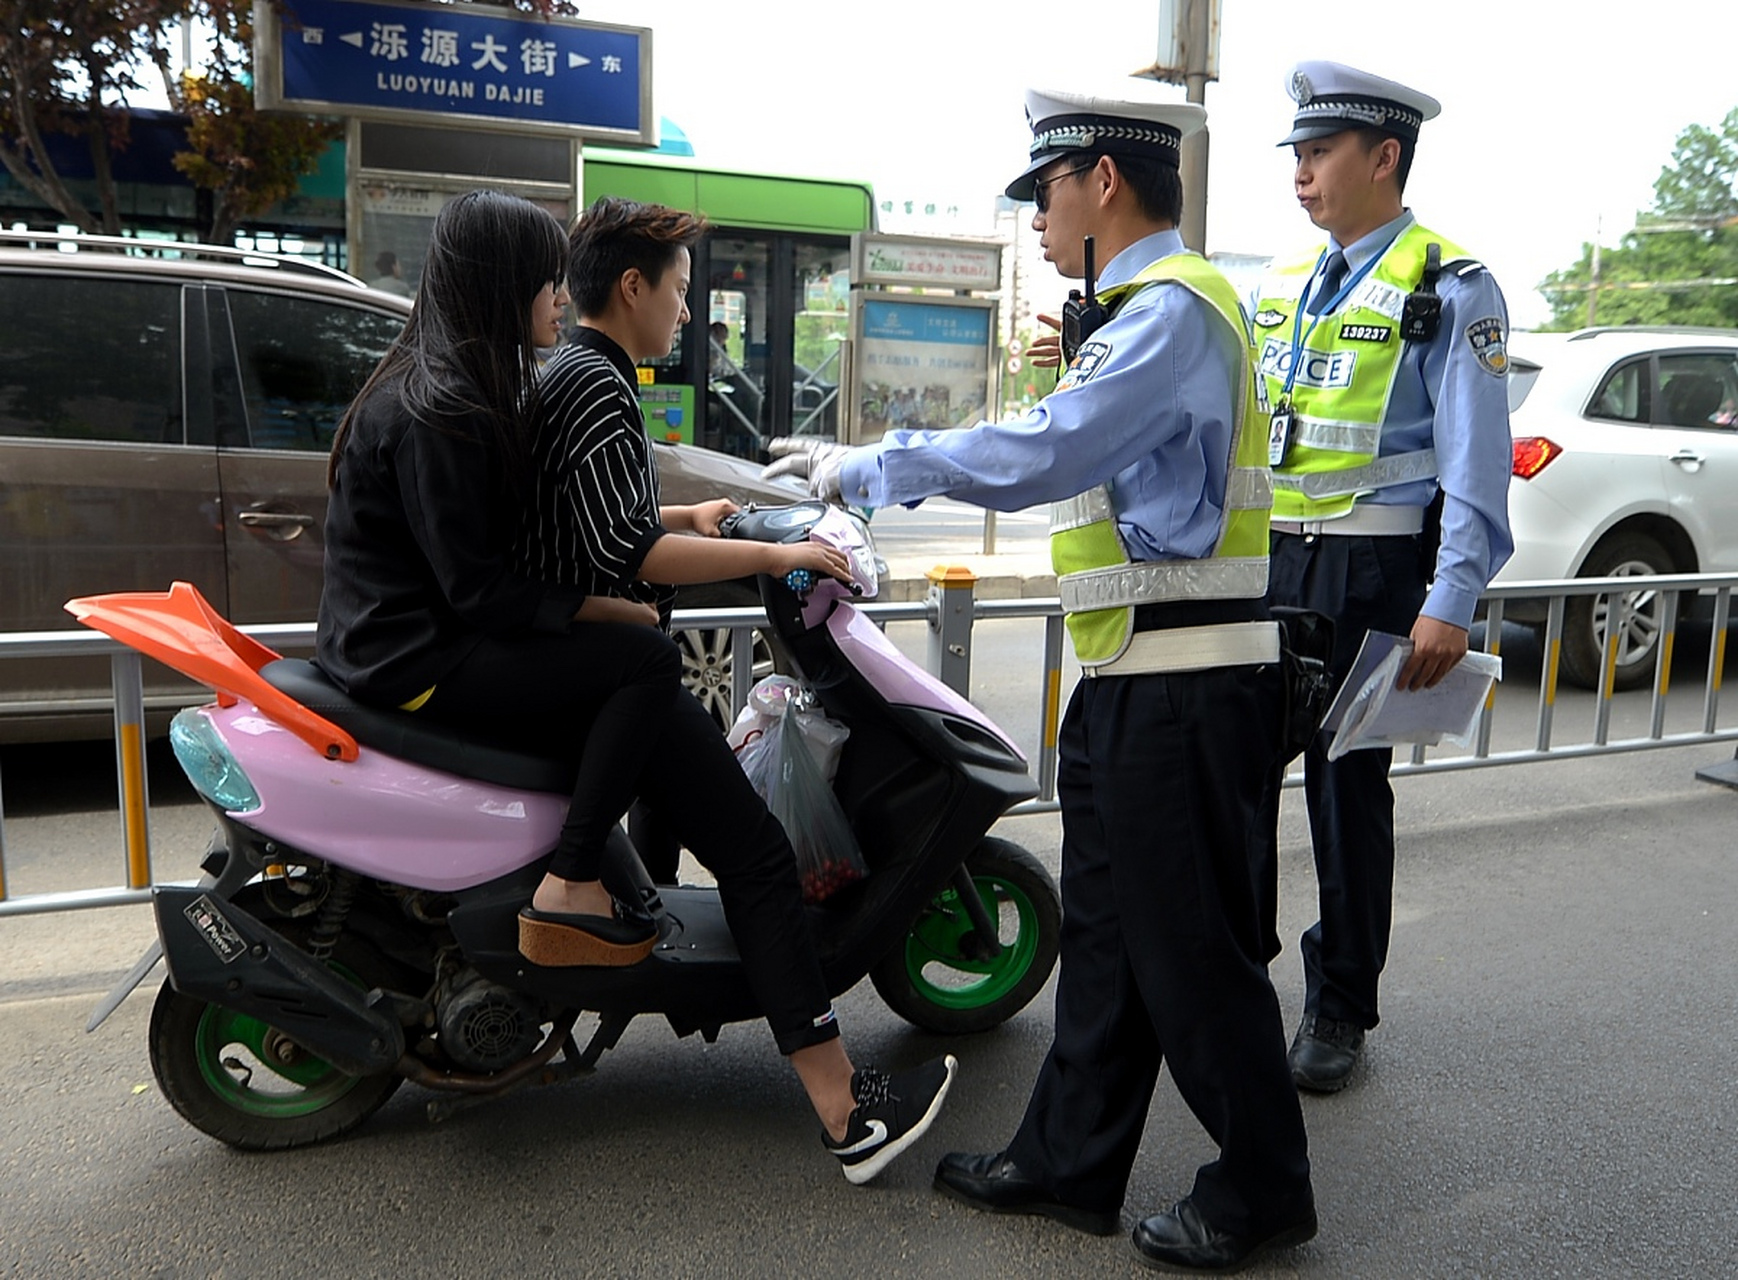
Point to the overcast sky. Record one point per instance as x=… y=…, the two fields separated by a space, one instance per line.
x=1557 y=116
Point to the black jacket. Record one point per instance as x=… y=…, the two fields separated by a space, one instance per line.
x=419 y=534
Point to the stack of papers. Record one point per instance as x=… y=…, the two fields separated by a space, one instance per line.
x=1371 y=711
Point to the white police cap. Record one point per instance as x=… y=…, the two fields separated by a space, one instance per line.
x=1332 y=98
x=1128 y=119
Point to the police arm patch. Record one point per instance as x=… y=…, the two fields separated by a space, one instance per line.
x=1086 y=362
x=1486 y=339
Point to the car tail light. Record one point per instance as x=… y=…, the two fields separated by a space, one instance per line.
x=1532 y=455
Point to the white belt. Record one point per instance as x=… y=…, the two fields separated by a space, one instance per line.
x=1366 y=518
x=1226 y=644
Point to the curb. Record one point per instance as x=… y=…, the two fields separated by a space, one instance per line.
x=902 y=585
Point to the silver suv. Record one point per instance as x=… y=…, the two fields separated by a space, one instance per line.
x=165 y=413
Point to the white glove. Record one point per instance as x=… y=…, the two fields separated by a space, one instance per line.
x=818 y=461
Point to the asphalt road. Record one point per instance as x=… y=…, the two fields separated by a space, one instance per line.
x=1550 y=1094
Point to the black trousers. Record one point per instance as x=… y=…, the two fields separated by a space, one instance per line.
x=587 y=695
x=675 y=760
x=1161 y=781
x=1364 y=584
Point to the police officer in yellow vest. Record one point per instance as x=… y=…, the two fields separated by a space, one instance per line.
x=1153 y=450
x=1384 y=362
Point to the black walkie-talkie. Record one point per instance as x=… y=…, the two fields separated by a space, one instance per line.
x=1422 y=314
x=1081 y=316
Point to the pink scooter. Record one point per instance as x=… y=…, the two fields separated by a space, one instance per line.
x=357 y=925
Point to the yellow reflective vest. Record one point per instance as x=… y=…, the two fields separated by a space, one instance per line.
x=1345 y=373
x=1097 y=581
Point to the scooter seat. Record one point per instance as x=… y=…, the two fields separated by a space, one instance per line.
x=406 y=736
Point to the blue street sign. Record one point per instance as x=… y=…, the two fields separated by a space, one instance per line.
x=430 y=62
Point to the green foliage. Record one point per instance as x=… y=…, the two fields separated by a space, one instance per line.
x=1680 y=264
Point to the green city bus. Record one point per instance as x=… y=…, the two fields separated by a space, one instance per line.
x=760 y=356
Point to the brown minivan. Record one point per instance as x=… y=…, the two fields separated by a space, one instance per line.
x=165 y=413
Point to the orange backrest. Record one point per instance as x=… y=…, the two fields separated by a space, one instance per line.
x=180 y=629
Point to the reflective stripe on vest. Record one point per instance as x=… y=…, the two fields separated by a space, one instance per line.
x=1340 y=395
x=1096 y=580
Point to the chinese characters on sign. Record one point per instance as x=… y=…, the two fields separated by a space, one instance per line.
x=462 y=60
x=934 y=264
x=925 y=363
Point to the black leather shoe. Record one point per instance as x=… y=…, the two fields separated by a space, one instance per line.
x=995 y=1184
x=1324 y=1053
x=1182 y=1240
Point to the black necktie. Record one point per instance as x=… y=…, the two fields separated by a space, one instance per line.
x=1332 y=277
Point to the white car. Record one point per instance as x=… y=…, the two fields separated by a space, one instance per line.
x=1625 y=462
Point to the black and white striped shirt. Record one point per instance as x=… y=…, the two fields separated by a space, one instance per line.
x=594 y=515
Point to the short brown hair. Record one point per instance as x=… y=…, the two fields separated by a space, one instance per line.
x=615 y=236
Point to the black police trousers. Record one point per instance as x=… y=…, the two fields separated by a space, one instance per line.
x=1161 y=781
x=1364 y=583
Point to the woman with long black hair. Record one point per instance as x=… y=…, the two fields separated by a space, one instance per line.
x=430 y=471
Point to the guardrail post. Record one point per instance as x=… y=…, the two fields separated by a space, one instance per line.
x=1725 y=774
x=741 y=667
x=1050 y=716
x=2 y=844
x=951 y=592
x=130 y=767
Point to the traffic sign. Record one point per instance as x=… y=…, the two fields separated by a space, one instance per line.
x=468 y=64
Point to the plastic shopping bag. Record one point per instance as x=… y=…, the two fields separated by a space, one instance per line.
x=779 y=756
x=767 y=703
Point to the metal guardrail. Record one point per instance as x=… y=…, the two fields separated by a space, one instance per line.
x=951 y=611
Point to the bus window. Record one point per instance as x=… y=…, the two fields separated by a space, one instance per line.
x=736 y=411
x=821 y=291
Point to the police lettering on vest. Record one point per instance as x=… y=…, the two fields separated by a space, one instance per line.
x=1344 y=376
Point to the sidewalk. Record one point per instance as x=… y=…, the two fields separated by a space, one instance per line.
x=941 y=533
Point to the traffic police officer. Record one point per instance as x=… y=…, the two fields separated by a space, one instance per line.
x=1153 y=450
x=1384 y=361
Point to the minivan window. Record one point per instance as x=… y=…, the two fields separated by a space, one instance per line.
x=302 y=362
x=90 y=359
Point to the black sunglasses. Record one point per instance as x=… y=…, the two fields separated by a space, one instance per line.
x=1040 y=188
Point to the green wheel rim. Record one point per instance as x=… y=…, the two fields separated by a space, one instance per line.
x=935 y=948
x=301 y=1083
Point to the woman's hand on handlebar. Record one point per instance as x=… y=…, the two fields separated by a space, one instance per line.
x=616 y=609
x=702 y=518
x=705 y=517
x=815 y=556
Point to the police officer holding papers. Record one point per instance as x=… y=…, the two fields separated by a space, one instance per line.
x=1384 y=361
x=1154 y=453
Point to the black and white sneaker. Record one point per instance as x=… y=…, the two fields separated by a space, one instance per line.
x=892 y=1113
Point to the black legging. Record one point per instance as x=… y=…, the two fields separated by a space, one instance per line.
x=664 y=748
x=594 y=689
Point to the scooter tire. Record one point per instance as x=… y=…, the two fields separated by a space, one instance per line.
x=280 y=1096
x=933 y=980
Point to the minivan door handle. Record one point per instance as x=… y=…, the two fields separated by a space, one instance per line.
x=1688 y=459
x=283 y=525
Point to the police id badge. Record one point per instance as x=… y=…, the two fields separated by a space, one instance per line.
x=1280 y=429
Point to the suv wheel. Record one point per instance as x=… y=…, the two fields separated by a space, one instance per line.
x=1587 y=618
x=708 y=666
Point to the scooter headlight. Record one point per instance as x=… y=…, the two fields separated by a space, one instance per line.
x=208 y=763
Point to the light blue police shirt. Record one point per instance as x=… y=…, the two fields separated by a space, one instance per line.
x=1444 y=382
x=1147 y=407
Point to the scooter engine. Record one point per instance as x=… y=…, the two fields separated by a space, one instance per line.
x=485 y=1026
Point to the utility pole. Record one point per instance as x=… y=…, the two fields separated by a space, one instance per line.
x=1189 y=56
